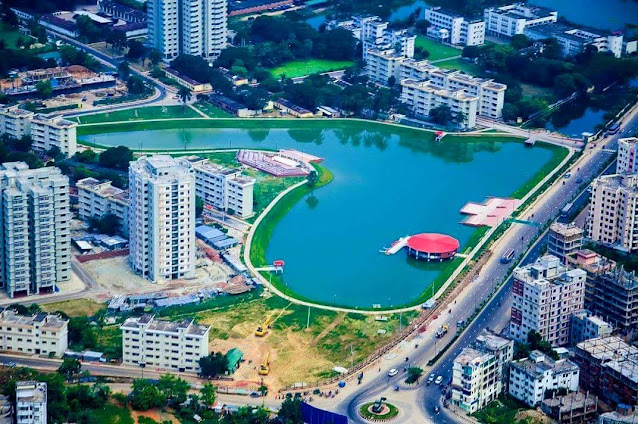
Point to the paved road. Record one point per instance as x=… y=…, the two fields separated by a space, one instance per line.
x=418 y=402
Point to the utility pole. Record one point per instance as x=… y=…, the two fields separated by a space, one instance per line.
x=400 y=321
x=308 y=321
x=351 y=357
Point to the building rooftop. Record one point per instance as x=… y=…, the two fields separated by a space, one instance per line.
x=9 y=316
x=566 y=230
x=570 y=402
x=492 y=341
x=31 y=391
x=469 y=355
x=608 y=348
x=537 y=364
x=185 y=326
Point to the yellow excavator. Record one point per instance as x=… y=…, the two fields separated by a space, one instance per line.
x=264 y=368
x=262 y=330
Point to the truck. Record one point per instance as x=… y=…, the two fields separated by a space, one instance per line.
x=430 y=304
x=441 y=331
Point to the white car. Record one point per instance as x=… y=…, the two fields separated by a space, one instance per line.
x=431 y=378
x=438 y=380
x=393 y=372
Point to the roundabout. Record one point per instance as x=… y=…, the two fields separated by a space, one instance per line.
x=378 y=411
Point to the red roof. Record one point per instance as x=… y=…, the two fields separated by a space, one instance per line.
x=433 y=243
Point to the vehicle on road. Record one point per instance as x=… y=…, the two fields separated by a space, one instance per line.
x=579 y=180
x=436 y=409
x=567 y=175
x=441 y=331
x=431 y=378
x=438 y=380
x=508 y=256
x=614 y=129
x=393 y=372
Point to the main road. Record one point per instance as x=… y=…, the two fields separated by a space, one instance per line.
x=417 y=402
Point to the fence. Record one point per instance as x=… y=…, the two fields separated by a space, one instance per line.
x=102 y=255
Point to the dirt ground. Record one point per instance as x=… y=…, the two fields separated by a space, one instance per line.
x=74 y=307
x=532 y=416
x=114 y=276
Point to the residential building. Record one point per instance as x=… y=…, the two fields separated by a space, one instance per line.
x=613 y=212
x=573 y=408
x=623 y=416
x=615 y=299
x=627 y=156
x=586 y=325
x=453 y=28
x=573 y=40
x=502 y=348
x=191 y=84
x=194 y=27
x=40 y=334
x=35 y=217
x=224 y=188
x=564 y=239
x=15 y=122
x=249 y=7
x=171 y=346
x=507 y=21
x=6 y=410
x=162 y=218
x=97 y=198
x=374 y=34
x=531 y=377
x=54 y=131
x=544 y=296
x=594 y=265
x=31 y=402
x=422 y=97
x=121 y=11
x=609 y=369
x=476 y=379
x=46 y=131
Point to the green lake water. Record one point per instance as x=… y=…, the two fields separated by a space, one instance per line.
x=387 y=183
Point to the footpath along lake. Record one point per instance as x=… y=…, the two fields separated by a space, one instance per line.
x=388 y=182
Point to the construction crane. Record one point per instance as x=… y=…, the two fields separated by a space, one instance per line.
x=262 y=330
x=264 y=368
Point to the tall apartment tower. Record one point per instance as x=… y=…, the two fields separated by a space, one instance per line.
x=563 y=240
x=544 y=296
x=193 y=27
x=31 y=402
x=627 y=156
x=35 y=240
x=162 y=218
x=613 y=215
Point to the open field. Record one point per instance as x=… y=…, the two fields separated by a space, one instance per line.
x=437 y=50
x=461 y=65
x=112 y=414
x=212 y=111
x=299 y=68
x=325 y=343
x=139 y=114
x=75 y=307
x=10 y=36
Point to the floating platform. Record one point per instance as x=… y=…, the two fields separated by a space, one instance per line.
x=427 y=246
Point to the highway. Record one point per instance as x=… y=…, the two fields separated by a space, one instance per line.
x=417 y=402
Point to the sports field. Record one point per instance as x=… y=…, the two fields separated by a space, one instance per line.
x=437 y=50
x=300 y=68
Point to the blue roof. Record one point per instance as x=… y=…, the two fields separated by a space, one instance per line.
x=205 y=232
x=223 y=244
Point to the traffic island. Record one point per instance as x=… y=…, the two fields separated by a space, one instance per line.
x=379 y=411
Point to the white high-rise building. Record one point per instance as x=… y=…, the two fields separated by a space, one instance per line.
x=627 y=156
x=509 y=20
x=453 y=28
x=35 y=217
x=162 y=218
x=613 y=214
x=172 y=346
x=223 y=188
x=193 y=27
x=40 y=334
x=31 y=402
x=544 y=296
x=15 y=122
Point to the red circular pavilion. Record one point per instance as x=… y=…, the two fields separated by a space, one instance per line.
x=432 y=246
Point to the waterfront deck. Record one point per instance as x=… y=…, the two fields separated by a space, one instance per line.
x=397 y=245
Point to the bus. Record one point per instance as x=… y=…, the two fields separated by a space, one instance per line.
x=507 y=256
x=564 y=213
x=614 y=129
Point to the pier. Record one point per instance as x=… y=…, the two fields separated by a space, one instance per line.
x=397 y=245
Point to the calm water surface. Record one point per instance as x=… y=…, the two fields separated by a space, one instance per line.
x=386 y=185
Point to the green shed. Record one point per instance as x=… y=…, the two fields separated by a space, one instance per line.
x=234 y=358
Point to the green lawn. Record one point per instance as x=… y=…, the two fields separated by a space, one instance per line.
x=212 y=111
x=502 y=410
x=112 y=414
x=436 y=49
x=10 y=36
x=461 y=65
x=140 y=114
x=299 y=68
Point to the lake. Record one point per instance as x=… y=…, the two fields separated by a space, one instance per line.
x=388 y=182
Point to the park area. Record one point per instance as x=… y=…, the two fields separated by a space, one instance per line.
x=140 y=114
x=437 y=50
x=300 y=68
x=10 y=36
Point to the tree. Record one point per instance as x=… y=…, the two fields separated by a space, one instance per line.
x=174 y=389
x=414 y=373
x=290 y=411
x=124 y=70
x=145 y=395
x=106 y=224
x=45 y=89
x=116 y=157
x=135 y=85
x=117 y=39
x=422 y=26
x=471 y=52
x=520 y=41
x=312 y=178
x=154 y=56
x=213 y=364
x=69 y=368
x=441 y=115
x=208 y=393
x=199 y=206
x=85 y=156
x=184 y=95
x=135 y=49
